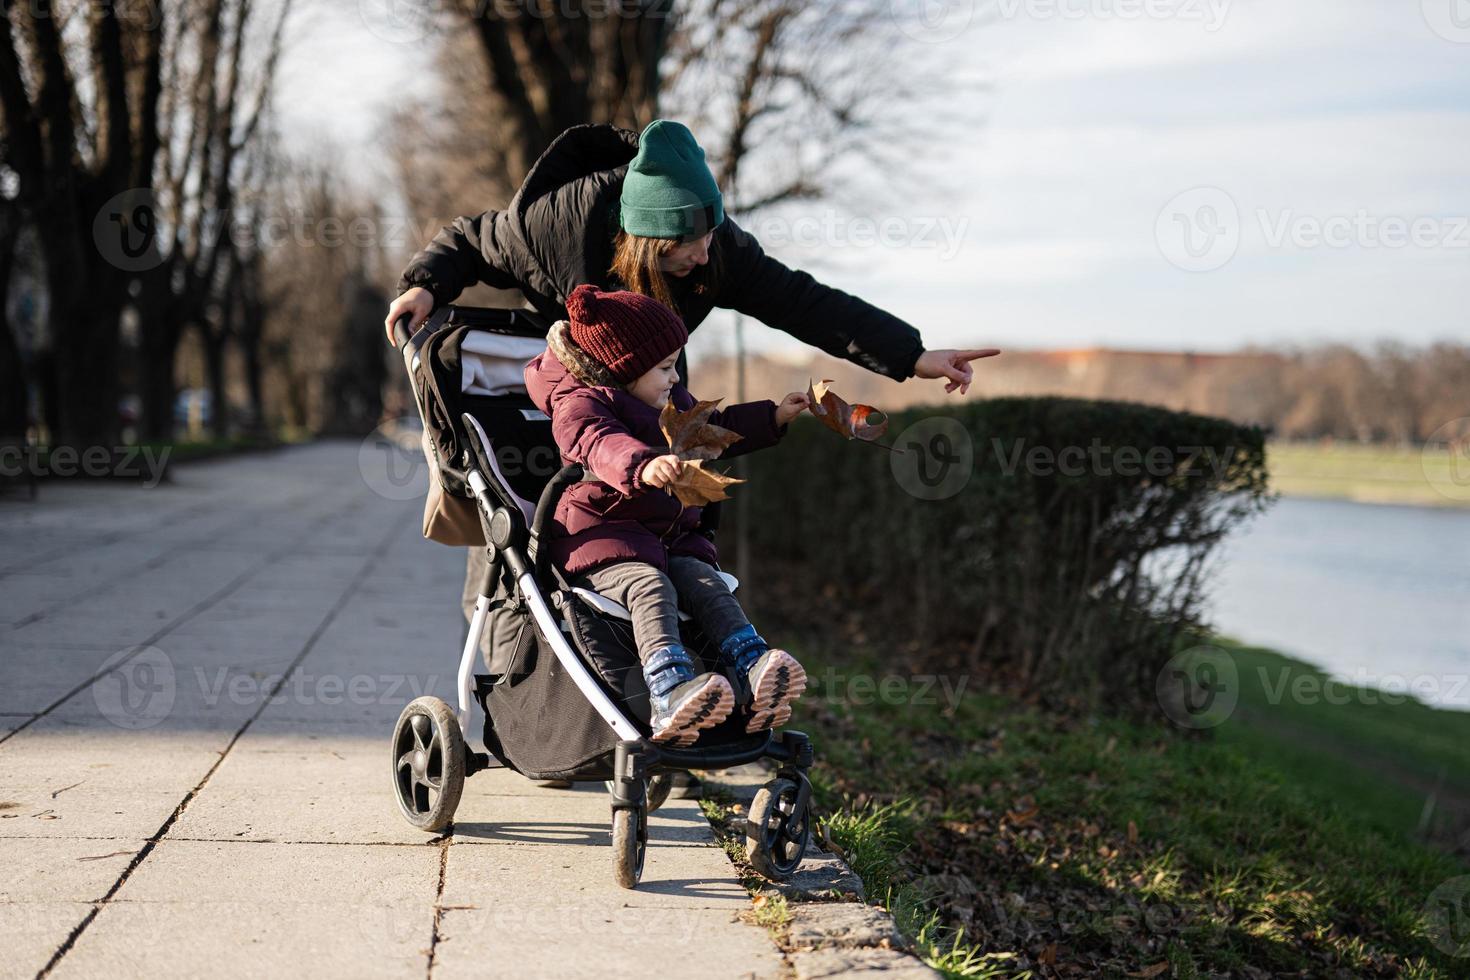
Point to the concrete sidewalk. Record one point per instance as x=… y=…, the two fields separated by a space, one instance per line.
x=197 y=686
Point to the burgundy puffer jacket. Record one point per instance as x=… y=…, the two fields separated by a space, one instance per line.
x=612 y=434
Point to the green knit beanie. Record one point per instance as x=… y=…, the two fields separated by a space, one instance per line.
x=669 y=191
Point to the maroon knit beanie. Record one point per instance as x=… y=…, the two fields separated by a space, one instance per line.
x=627 y=333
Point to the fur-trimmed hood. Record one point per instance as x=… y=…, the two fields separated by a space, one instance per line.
x=582 y=365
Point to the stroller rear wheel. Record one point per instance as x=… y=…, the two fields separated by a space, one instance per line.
x=428 y=763
x=775 y=832
x=630 y=843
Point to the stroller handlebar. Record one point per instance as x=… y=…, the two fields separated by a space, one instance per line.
x=400 y=330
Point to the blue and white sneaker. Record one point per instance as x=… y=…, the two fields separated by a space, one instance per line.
x=681 y=704
x=775 y=677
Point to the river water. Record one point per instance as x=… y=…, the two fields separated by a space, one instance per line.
x=1375 y=595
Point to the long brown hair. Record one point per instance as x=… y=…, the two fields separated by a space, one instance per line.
x=637 y=263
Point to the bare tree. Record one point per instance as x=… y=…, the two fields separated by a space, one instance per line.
x=76 y=145
x=221 y=69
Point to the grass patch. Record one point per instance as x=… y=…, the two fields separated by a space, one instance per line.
x=1371 y=474
x=1013 y=841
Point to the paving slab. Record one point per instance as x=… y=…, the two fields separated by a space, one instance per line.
x=33 y=931
x=843 y=925
x=297 y=874
x=596 y=942
x=579 y=871
x=61 y=869
x=264 y=940
x=879 y=964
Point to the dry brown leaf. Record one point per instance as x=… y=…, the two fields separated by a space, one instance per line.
x=1048 y=955
x=696 y=486
x=1132 y=832
x=1151 y=971
x=862 y=422
x=691 y=435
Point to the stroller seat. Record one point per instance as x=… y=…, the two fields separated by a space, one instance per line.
x=608 y=607
x=596 y=601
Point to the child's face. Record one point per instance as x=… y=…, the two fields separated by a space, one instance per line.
x=654 y=385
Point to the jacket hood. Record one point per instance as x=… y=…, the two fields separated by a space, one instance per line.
x=563 y=367
x=579 y=177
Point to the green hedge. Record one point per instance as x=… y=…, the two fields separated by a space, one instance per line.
x=1072 y=558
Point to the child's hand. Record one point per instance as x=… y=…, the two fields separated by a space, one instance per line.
x=791 y=406
x=661 y=471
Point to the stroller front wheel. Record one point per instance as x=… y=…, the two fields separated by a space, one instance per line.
x=776 y=829
x=630 y=844
x=428 y=764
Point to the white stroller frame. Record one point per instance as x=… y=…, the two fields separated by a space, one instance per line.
x=430 y=760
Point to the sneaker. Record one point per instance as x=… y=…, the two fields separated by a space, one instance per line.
x=681 y=704
x=776 y=680
x=773 y=677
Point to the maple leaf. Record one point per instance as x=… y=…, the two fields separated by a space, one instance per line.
x=696 y=486
x=862 y=422
x=691 y=435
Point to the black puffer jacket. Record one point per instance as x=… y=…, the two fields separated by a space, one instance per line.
x=558 y=233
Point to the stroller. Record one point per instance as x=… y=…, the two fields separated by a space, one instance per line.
x=563 y=695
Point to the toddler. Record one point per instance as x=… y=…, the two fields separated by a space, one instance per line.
x=607 y=373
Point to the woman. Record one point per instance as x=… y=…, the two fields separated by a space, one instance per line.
x=621 y=210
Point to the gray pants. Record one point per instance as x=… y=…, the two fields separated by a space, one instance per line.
x=649 y=594
x=653 y=598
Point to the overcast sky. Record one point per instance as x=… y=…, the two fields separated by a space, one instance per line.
x=1198 y=174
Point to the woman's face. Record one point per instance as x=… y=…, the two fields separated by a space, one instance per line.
x=654 y=385
x=685 y=257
